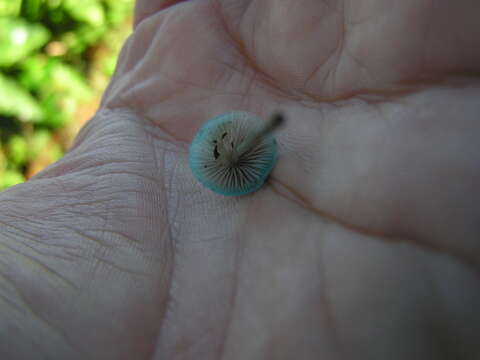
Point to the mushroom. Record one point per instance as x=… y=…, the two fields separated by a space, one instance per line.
x=233 y=154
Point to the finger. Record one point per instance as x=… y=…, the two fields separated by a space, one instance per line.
x=147 y=8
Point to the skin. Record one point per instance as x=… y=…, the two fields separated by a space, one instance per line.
x=364 y=244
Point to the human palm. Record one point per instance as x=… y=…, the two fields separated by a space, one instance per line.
x=363 y=244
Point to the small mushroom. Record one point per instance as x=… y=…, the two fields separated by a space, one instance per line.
x=233 y=153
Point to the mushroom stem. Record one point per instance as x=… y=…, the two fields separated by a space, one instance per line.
x=253 y=139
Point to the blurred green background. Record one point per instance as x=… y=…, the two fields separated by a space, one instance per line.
x=56 y=57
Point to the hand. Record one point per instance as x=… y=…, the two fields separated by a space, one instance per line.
x=364 y=243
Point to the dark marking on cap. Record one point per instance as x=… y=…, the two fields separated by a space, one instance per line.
x=224 y=134
x=216 y=154
x=278 y=119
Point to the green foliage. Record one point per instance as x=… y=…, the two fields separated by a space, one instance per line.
x=47 y=58
x=38 y=143
x=17 y=149
x=16 y=101
x=88 y=11
x=59 y=88
x=10 y=7
x=19 y=38
x=10 y=178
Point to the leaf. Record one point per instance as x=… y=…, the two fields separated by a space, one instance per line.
x=38 y=143
x=60 y=88
x=89 y=11
x=119 y=10
x=65 y=78
x=19 y=38
x=10 y=7
x=49 y=75
x=15 y=101
x=10 y=178
x=32 y=9
x=55 y=116
x=3 y=161
x=45 y=151
x=17 y=150
x=109 y=65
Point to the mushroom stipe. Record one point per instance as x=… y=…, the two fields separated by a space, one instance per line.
x=233 y=154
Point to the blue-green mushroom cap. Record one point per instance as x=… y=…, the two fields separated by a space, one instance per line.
x=233 y=154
